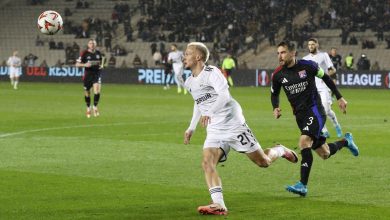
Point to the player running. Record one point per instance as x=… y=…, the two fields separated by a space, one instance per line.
x=297 y=77
x=225 y=123
x=175 y=57
x=91 y=59
x=14 y=63
x=323 y=60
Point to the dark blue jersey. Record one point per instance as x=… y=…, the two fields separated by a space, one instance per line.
x=298 y=83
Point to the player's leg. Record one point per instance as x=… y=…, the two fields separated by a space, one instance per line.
x=328 y=149
x=327 y=103
x=87 y=94
x=16 y=81
x=300 y=187
x=229 y=77
x=324 y=101
x=211 y=157
x=11 y=76
x=96 y=98
x=167 y=78
x=177 y=78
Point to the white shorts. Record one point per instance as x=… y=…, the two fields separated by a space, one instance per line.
x=326 y=97
x=240 y=139
x=14 y=72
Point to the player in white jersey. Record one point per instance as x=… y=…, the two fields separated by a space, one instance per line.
x=175 y=57
x=15 y=70
x=323 y=60
x=226 y=128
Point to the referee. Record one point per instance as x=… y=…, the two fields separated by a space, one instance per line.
x=228 y=65
x=91 y=59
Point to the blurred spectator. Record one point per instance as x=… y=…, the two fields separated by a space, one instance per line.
x=52 y=44
x=60 y=45
x=30 y=59
x=137 y=61
x=353 y=40
x=43 y=64
x=368 y=44
x=145 y=64
x=123 y=65
x=82 y=4
x=375 y=66
x=153 y=48
x=59 y=63
x=99 y=39
x=67 y=12
x=387 y=39
x=349 y=61
x=157 y=58
x=39 y=41
x=112 y=61
x=107 y=41
x=363 y=63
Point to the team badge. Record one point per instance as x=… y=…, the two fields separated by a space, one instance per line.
x=302 y=74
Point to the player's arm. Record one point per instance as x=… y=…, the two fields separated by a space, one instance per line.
x=81 y=61
x=332 y=86
x=194 y=121
x=275 y=91
x=329 y=64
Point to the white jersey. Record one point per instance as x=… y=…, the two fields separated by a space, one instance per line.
x=204 y=89
x=14 y=64
x=323 y=61
x=176 y=57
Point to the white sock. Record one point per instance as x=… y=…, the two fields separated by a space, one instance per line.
x=279 y=150
x=16 y=84
x=217 y=196
x=333 y=117
x=12 y=82
x=324 y=129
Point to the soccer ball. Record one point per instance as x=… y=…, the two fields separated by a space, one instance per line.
x=50 y=22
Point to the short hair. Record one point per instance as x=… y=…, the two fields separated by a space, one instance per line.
x=315 y=40
x=290 y=46
x=201 y=47
x=91 y=39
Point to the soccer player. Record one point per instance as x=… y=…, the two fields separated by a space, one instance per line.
x=336 y=60
x=175 y=57
x=297 y=77
x=14 y=63
x=323 y=61
x=91 y=60
x=226 y=127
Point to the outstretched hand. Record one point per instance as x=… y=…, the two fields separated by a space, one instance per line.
x=342 y=105
x=277 y=113
x=187 y=136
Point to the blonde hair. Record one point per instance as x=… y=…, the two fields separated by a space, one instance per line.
x=201 y=47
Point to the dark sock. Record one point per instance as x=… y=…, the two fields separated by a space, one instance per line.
x=96 y=98
x=167 y=77
x=336 y=146
x=307 y=160
x=88 y=100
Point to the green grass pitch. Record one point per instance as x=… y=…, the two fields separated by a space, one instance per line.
x=130 y=162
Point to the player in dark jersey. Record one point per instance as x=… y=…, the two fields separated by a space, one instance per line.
x=91 y=59
x=336 y=60
x=297 y=77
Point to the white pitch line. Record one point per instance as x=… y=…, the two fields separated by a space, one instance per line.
x=69 y=127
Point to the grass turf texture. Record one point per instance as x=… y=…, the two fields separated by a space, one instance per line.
x=130 y=162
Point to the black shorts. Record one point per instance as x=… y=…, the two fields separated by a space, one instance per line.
x=229 y=72
x=90 y=78
x=310 y=123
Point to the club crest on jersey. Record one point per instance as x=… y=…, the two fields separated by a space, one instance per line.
x=302 y=74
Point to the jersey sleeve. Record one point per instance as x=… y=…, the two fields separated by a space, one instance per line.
x=81 y=58
x=275 y=89
x=328 y=61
